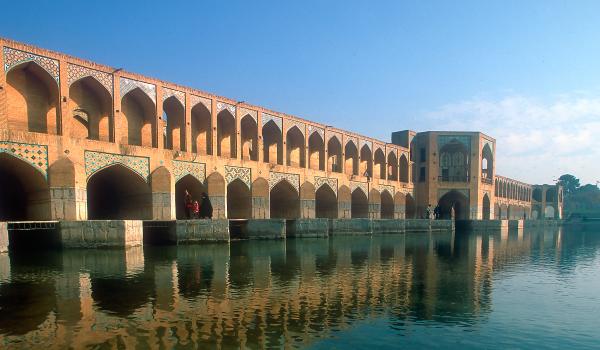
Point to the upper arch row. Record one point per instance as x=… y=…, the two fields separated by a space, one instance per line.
x=75 y=72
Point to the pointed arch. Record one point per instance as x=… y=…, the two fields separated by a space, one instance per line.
x=316 y=152
x=403 y=169
x=272 y=143
x=201 y=130
x=174 y=117
x=392 y=166
x=90 y=105
x=366 y=161
x=326 y=205
x=486 y=207
x=138 y=123
x=379 y=171
x=239 y=200
x=487 y=162
x=387 y=205
x=284 y=201
x=351 y=158
x=334 y=155
x=360 y=204
x=249 y=138
x=295 y=147
x=191 y=184
x=32 y=99
x=226 y=134
x=24 y=191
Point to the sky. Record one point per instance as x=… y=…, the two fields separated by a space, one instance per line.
x=524 y=72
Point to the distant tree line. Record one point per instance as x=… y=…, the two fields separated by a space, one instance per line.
x=579 y=201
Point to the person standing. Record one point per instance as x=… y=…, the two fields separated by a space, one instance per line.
x=206 y=209
x=196 y=210
x=188 y=205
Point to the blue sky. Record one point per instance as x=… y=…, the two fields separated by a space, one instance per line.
x=527 y=73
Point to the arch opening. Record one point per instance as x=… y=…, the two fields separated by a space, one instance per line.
x=194 y=187
x=487 y=163
x=239 y=200
x=91 y=106
x=24 y=191
x=316 y=152
x=403 y=169
x=486 y=207
x=284 y=201
x=226 y=134
x=32 y=99
x=334 y=158
x=366 y=162
x=295 y=147
x=138 y=122
x=351 y=159
x=454 y=162
x=379 y=165
x=117 y=192
x=249 y=138
x=272 y=143
x=359 y=205
x=392 y=170
x=455 y=199
x=174 y=117
x=326 y=205
x=201 y=130
x=387 y=205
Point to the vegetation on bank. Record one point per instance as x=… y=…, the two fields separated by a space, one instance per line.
x=579 y=201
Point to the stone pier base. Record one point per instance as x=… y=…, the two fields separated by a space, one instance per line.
x=192 y=231
x=265 y=229
x=315 y=228
x=384 y=226
x=3 y=237
x=350 y=227
x=101 y=234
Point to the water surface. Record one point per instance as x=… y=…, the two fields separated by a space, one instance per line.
x=538 y=289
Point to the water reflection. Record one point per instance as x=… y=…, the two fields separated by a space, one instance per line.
x=266 y=293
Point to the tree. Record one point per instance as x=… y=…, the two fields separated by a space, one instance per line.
x=569 y=183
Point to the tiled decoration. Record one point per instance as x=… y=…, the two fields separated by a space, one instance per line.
x=95 y=161
x=76 y=72
x=445 y=139
x=246 y=111
x=178 y=95
x=36 y=155
x=277 y=120
x=198 y=99
x=312 y=129
x=354 y=140
x=369 y=144
x=13 y=57
x=234 y=172
x=389 y=188
x=489 y=143
x=182 y=168
x=291 y=123
x=360 y=185
x=126 y=85
x=331 y=182
x=222 y=105
x=275 y=178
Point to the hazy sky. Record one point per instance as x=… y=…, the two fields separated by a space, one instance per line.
x=526 y=73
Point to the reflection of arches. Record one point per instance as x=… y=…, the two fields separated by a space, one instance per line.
x=549 y=212
x=460 y=203
x=260 y=198
x=174 y=116
x=226 y=134
x=191 y=184
x=91 y=109
x=486 y=207
x=284 y=201
x=24 y=192
x=249 y=138
x=272 y=143
x=326 y=205
x=359 y=205
x=387 y=205
x=411 y=207
x=334 y=159
x=366 y=161
x=239 y=201
x=403 y=169
x=138 y=123
x=379 y=162
x=26 y=304
x=132 y=292
x=201 y=130
x=316 y=152
x=351 y=159
x=487 y=162
x=295 y=147
x=32 y=99
x=117 y=192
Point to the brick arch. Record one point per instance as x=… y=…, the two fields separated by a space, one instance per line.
x=91 y=109
x=32 y=98
x=174 y=119
x=137 y=119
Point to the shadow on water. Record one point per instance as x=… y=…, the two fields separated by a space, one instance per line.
x=268 y=293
